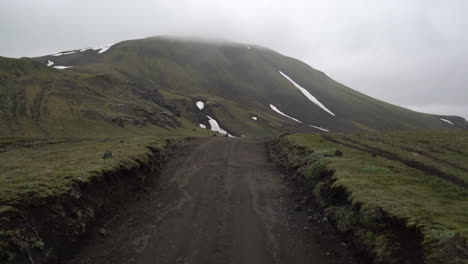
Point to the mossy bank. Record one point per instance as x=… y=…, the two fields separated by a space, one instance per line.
x=44 y=214
x=389 y=207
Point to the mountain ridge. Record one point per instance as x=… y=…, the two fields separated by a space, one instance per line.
x=137 y=86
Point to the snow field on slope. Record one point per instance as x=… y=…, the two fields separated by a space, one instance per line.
x=200 y=105
x=283 y=114
x=447 y=121
x=62 y=67
x=307 y=94
x=319 y=128
x=216 y=128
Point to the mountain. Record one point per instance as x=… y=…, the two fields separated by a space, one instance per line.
x=166 y=85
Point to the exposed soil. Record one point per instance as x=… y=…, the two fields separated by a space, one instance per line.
x=219 y=201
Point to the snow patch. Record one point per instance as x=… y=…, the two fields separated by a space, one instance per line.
x=307 y=94
x=283 y=114
x=63 y=53
x=62 y=67
x=103 y=49
x=216 y=128
x=447 y=121
x=49 y=63
x=248 y=47
x=200 y=105
x=319 y=128
x=254 y=118
x=202 y=125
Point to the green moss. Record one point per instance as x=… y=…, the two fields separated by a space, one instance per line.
x=442 y=235
x=346 y=218
x=5 y=208
x=318 y=169
x=35 y=168
x=375 y=169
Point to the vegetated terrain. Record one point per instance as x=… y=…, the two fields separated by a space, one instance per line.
x=52 y=189
x=37 y=168
x=60 y=113
x=144 y=86
x=400 y=196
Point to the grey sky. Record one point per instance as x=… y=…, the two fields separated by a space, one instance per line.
x=411 y=53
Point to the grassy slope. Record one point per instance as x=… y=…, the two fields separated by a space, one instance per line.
x=241 y=81
x=423 y=200
x=34 y=168
x=40 y=101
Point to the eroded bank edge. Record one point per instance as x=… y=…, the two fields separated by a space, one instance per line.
x=47 y=230
x=375 y=233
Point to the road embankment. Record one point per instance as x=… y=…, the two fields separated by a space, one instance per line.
x=385 y=209
x=46 y=222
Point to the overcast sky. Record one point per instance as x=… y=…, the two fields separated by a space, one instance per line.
x=411 y=53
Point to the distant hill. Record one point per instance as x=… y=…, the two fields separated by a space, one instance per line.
x=152 y=85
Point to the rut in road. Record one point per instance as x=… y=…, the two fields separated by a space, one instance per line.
x=219 y=201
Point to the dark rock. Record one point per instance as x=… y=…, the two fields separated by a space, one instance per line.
x=102 y=231
x=121 y=121
x=306 y=228
x=107 y=155
x=338 y=153
x=310 y=219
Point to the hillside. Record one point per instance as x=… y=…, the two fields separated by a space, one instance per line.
x=152 y=86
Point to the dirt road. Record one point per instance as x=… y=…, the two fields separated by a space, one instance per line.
x=219 y=201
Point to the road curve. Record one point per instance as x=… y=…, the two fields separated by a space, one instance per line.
x=219 y=201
